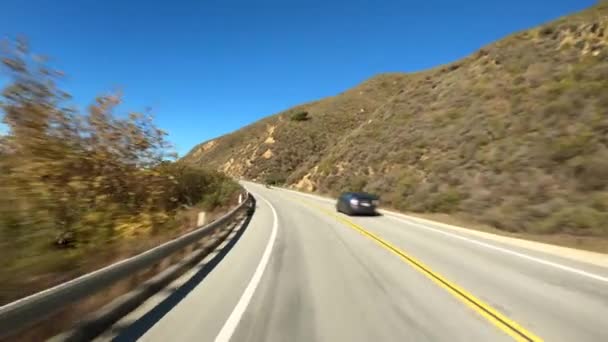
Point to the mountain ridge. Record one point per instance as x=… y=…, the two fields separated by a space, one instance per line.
x=514 y=134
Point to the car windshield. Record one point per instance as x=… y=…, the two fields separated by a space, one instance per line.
x=364 y=196
x=320 y=170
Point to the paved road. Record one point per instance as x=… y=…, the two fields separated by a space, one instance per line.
x=301 y=272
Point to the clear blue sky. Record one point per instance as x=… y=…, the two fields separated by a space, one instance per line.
x=208 y=67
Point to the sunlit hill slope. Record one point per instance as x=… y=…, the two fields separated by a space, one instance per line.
x=515 y=135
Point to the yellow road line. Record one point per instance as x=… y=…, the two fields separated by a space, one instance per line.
x=492 y=315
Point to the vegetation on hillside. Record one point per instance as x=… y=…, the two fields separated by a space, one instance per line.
x=300 y=116
x=75 y=186
x=296 y=146
x=515 y=135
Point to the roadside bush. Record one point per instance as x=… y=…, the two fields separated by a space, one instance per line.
x=75 y=185
x=599 y=201
x=84 y=180
x=445 y=201
x=275 y=178
x=579 y=220
x=422 y=196
x=507 y=216
x=356 y=183
x=479 y=200
x=193 y=186
x=592 y=171
x=569 y=146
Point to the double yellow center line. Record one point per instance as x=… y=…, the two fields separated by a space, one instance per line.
x=492 y=315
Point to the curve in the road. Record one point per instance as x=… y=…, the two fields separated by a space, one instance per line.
x=235 y=317
x=410 y=222
x=499 y=320
x=319 y=278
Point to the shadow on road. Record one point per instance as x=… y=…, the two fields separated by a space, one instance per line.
x=137 y=329
x=376 y=214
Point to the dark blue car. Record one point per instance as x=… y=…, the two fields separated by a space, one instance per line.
x=357 y=203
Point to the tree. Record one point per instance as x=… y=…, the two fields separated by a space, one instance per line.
x=69 y=172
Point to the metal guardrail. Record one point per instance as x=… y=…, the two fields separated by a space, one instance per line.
x=32 y=309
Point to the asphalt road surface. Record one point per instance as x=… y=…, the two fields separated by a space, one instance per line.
x=302 y=272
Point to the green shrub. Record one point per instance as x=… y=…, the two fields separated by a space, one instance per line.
x=508 y=215
x=575 y=220
x=591 y=171
x=496 y=218
x=427 y=198
x=193 y=185
x=300 y=116
x=326 y=166
x=599 y=201
x=454 y=114
x=275 y=178
x=518 y=80
x=569 y=146
x=407 y=183
x=356 y=183
x=556 y=89
x=547 y=30
x=445 y=201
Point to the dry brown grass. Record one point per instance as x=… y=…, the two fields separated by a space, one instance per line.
x=515 y=135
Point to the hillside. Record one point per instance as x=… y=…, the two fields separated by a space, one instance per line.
x=515 y=135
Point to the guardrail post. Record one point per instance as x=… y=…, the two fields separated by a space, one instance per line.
x=201 y=219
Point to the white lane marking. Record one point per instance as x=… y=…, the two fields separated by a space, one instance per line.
x=233 y=320
x=395 y=216
x=504 y=250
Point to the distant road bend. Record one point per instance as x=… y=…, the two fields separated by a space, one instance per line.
x=301 y=272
